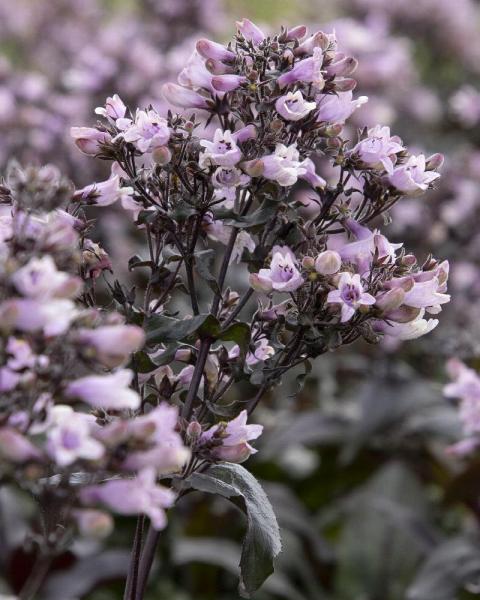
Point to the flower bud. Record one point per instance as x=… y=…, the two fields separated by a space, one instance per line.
x=250 y=31
x=215 y=67
x=308 y=262
x=435 y=162
x=328 y=262
x=254 y=168
x=194 y=430
x=94 y=524
x=88 y=139
x=161 y=155
x=345 y=66
x=296 y=33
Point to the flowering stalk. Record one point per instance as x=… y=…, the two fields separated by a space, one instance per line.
x=262 y=213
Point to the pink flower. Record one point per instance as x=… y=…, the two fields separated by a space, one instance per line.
x=377 y=150
x=92 y=523
x=70 y=439
x=39 y=279
x=350 y=295
x=89 y=140
x=250 y=31
x=147 y=132
x=227 y=180
x=113 y=343
x=293 y=107
x=234 y=436
x=223 y=151
x=114 y=108
x=337 y=108
x=282 y=275
x=110 y=392
x=261 y=352
x=195 y=74
x=411 y=178
x=140 y=495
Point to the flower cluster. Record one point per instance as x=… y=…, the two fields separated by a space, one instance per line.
x=67 y=402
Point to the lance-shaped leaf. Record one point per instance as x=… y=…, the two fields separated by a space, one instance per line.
x=161 y=329
x=262 y=541
x=204 y=265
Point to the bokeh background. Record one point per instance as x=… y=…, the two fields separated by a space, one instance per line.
x=371 y=504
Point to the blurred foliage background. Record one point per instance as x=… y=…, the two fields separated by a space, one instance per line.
x=370 y=504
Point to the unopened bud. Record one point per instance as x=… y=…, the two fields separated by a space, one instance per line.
x=94 y=523
x=435 y=161
x=254 y=168
x=328 y=262
x=162 y=155
x=345 y=85
x=194 y=430
x=308 y=262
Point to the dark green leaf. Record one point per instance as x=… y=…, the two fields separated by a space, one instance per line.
x=161 y=329
x=262 y=541
x=204 y=262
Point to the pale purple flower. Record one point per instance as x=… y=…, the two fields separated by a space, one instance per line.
x=215 y=51
x=223 y=151
x=410 y=330
x=52 y=316
x=250 y=31
x=40 y=279
x=195 y=74
x=308 y=173
x=9 y=379
x=114 y=108
x=466 y=387
x=235 y=436
x=350 y=295
x=263 y=351
x=283 y=166
x=108 y=192
x=140 y=495
x=166 y=453
x=16 y=447
x=411 y=178
x=293 y=106
x=227 y=180
x=148 y=131
x=283 y=274
x=337 y=108
x=378 y=149
x=21 y=355
x=228 y=82
x=465 y=104
x=70 y=439
x=308 y=70
x=113 y=344
x=110 y=392
x=183 y=97
x=89 y=140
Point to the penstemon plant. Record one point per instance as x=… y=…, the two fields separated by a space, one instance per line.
x=257 y=208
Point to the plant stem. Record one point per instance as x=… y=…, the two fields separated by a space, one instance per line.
x=146 y=561
x=37 y=577
x=132 y=577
